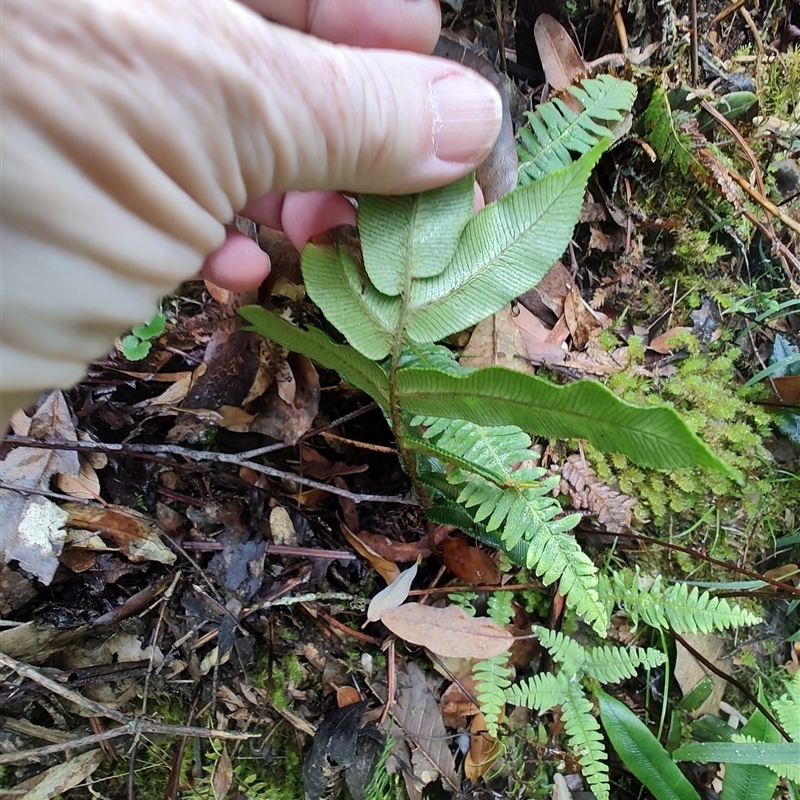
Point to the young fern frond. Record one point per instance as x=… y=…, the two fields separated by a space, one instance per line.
x=555 y=131
x=583 y=732
x=492 y=679
x=678 y=607
x=563 y=649
x=788 y=708
x=662 y=125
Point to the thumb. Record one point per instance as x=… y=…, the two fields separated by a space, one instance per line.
x=335 y=117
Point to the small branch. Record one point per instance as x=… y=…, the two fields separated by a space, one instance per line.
x=203 y=455
x=734 y=682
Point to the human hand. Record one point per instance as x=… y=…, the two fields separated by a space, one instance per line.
x=133 y=132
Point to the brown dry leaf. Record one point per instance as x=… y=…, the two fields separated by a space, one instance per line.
x=660 y=343
x=561 y=61
x=787 y=389
x=136 y=535
x=394 y=594
x=788 y=573
x=586 y=491
x=287 y=422
x=546 y=299
x=496 y=341
x=419 y=719
x=403 y=551
x=84 y=486
x=346 y=696
x=223 y=775
x=483 y=750
x=689 y=671
x=29 y=529
x=386 y=569
x=456 y=703
x=287 y=388
x=581 y=320
x=447 y=631
x=469 y=563
x=60 y=778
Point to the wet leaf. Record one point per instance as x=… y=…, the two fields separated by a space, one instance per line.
x=469 y=563
x=447 y=631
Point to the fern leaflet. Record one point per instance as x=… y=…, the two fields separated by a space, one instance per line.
x=555 y=130
x=492 y=679
x=583 y=732
x=663 y=126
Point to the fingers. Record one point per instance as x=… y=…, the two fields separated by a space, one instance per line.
x=239 y=265
x=391 y=24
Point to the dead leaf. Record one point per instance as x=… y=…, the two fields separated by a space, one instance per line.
x=561 y=61
x=60 y=778
x=497 y=341
x=223 y=775
x=469 y=563
x=394 y=594
x=689 y=671
x=32 y=469
x=580 y=318
x=282 y=527
x=586 y=491
x=660 y=344
x=346 y=696
x=447 y=631
x=456 y=703
x=386 y=569
x=419 y=720
x=787 y=389
x=84 y=486
x=136 y=535
x=403 y=551
x=483 y=750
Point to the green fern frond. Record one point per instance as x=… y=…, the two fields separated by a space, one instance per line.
x=788 y=708
x=662 y=126
x=500 y=607
x=492 y=679
x=678 y=607
x=583 y=732
x=554 y=130
x=609 y=664
x=563 y=649
x=540 y=693
x=517 y=503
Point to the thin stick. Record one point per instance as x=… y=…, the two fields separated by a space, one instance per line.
x=202 y=455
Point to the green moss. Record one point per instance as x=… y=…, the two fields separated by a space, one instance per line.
x=706 y=390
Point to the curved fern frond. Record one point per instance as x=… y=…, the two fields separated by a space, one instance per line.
x=540 y=693
x=563 y=649
x=608 y=664
x=554 y=130
x=500 y=607
x=663 y=130
x=583 y=732
x=492 y=679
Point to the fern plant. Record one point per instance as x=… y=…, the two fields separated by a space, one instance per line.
x=427 y=268
x=565 y=688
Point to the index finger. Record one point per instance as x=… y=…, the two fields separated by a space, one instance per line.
x=389 y=24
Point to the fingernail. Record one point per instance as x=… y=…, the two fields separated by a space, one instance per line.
x=467 y=113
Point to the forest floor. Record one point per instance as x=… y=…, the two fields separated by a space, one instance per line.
x=216 y=513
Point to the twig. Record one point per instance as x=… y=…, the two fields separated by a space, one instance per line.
x=128 y=725
x=203 y=455
x=734 y=682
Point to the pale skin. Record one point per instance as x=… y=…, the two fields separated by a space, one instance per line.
x=132 y=133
